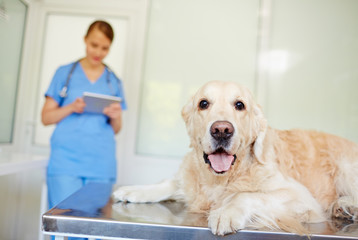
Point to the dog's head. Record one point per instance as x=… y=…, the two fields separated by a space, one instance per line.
x=223 y=120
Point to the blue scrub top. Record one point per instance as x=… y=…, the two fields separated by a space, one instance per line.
x=83 y=144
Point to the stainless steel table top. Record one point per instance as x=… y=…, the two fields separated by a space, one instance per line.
x=91 y=212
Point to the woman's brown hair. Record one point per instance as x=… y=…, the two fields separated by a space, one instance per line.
x=104 y=27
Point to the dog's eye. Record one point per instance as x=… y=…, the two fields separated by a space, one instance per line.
x=203 y=104
x=239 y=106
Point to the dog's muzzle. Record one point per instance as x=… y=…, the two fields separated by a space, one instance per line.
x=220 y=160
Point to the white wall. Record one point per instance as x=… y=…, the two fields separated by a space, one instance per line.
x=315 y=44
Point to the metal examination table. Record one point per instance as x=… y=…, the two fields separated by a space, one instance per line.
x=91 y=213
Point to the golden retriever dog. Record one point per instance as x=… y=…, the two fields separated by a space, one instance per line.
x=243 y=174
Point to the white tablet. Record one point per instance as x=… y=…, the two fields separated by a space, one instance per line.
x=95 y=102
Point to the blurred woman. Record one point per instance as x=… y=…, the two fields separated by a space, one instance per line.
x=83 y=144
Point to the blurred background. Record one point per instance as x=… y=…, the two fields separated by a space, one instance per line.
x=299 y=58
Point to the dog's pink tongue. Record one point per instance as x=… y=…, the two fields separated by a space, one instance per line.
x=221 y=162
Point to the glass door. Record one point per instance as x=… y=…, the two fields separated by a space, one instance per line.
x=12 y=25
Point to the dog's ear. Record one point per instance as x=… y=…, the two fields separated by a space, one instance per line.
x=187 y=114
x=260 y=124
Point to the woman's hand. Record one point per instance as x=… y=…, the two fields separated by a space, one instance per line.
x=78 y=105
x=52 y=113
x=114 y=112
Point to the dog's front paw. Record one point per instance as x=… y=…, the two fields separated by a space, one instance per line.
x=345 y=208
x=225 y=220
x=134 y=194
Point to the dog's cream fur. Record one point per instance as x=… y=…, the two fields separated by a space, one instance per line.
x=279 y=180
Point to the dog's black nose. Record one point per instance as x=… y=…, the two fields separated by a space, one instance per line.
x=222 y=130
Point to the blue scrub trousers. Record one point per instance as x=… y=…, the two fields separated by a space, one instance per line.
x=61 y=187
